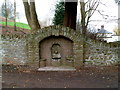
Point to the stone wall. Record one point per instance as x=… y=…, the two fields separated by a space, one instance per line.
x=101 y=53
x=25 y=50
x=13 y=50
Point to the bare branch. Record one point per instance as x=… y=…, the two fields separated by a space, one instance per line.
x=91 y=9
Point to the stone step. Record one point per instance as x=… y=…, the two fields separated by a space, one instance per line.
x=50 y=68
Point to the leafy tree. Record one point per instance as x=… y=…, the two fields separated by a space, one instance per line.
x=59 y=13
x=65 y=14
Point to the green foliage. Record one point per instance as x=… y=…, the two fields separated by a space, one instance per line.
x=59 y=13
x=18 y=24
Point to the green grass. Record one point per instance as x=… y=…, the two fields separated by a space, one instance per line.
x=18 y=24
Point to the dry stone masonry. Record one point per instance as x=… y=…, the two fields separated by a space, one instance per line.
x=101 y=53
x=56 y=46
x=13 y=50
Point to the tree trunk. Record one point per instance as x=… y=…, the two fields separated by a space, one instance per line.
x=83 y=23
x=6 y=16
x=70 y=14
x=31 y=15
x=14 y=15
x=35 y=22
x=83 y=17
x=27 y=12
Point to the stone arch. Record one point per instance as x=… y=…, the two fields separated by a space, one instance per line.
x=57 y=31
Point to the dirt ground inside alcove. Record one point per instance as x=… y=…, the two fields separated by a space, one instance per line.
x=85 y=77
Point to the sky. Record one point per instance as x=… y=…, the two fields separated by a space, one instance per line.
x=45 y=11
x=110 y=9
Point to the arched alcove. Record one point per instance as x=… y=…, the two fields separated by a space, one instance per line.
x=56 y=52
x=55 y=49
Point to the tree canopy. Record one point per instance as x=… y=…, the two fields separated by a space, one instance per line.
x=59 y=13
